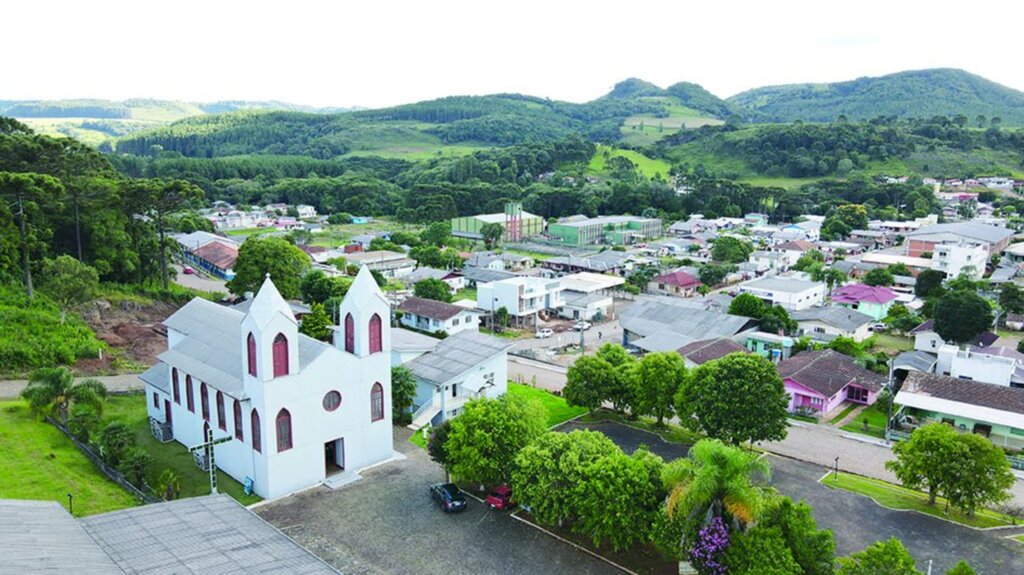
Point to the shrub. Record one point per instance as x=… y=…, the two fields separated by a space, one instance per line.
x=31 y=334
x=135 y=466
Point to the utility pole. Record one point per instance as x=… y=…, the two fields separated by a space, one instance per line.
x=24 y=245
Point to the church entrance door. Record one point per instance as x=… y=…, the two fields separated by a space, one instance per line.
x=334 y=456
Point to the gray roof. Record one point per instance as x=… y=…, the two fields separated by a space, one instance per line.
x=423 y=273
x=210 y=534
x=666 y=341
x=157 y=376
x=650 y=317
x=914 y=361
x=484 y=275
x=1003 y=274
x=456 y=355
x=212 y=349
x=297 y=308
x=408 y=340
x=970 y=230
x=839 y=317
x=776 y=283
x=848 y=266
x=40 y=536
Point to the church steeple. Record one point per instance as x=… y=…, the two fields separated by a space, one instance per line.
x=270 y=336
x=364 y=317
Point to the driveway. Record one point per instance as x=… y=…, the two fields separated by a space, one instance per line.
x=195 y=281
x=387 y=523
x=630 y=438
x=857 y=521
x=11 y=388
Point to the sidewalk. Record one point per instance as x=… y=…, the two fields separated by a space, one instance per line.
x=11 y=388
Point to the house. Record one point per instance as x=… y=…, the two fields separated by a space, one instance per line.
x=870 y=238
x=668 y=324
x=810 y=228
x=754 y=219
x=306 y=211
x=773 y=346
x=677 y=283
x=994 y=239
x=516 y=262
x=789 y=292
x=874 y=301
x=994 y=411
x=605 y=262
x=827 y=323
x=212 y=253
x=880 y=259
x=1015 y=321
x=433 y=316
x=771 y=261
x=926 y=338
x=820 y=380
x=486 y=260
x=991 y=364
x=702 y=351
x=210 y=533
x=453 y=278
x=795 y=248
x=462 y=367
x=954 y=259
x=407 y=345
x=389 y=264
x=274 y=394
x=475 y=276
x=522 y=296
x=588 y=296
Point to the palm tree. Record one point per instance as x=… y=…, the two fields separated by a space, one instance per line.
x=53 y=389
x=715 y=480
x=830 y=276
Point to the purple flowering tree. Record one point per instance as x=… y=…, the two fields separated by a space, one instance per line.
x=709 y=548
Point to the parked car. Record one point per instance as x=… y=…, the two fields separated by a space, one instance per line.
x=582 y=325
x=448 y=496
x=876 y=327
x=500 y=498
x=544 y=332
x=188 y=270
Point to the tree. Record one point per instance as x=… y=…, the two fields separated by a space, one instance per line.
x=812 y=548
x=961 y=315
x=928 y=283
x=831 y=276
x=739 y=397
x=619 y=384
x=317 y=287
x=714 y=480
x=339 y=218
x=880 y=558
x=258 y=257
x=488 y=434
x=492 y=234
x=962 y=567
x=403 y=392
x=657 y=378
x=161 y=198
x=809 y=260
x=437 y=445
x=68 y=282
x=588 y=382
x=747 y=305
x=776 y=320
x=83 y=422
x=28 y=192
x=1011 y=298
x=135 y=466
x=923 y=461
x=713 y=274
x=115 y=442
x=316 y=324
x=760 y=550
x=879 y=277
x=53 y=390
x=731 y=250
x=433 y=288
x=168 y=485
x=437 y=233
x=980 y=475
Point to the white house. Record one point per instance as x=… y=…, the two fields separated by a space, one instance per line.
x=433 y=316
x=306 y=211
x=788 y=292
x=293 y=410
x=926 y=338
x=772 y=261
x=994 y=364
x=827 y=323
x=407 y=345
x=954 y=259
x=522 y=296
x=453 y=278
x=460 y=368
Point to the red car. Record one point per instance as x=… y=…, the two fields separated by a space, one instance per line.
x=500 y=498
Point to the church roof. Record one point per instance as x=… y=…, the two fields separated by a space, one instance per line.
x=157 y=376
x=268 y=303
x=365 y=284
x=212 y=348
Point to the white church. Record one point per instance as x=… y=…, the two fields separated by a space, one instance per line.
x=290 y=410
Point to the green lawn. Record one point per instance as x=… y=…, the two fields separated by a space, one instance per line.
x=897 y=497
x=39 y=462
x=557 y=409
x=465 y=293
x=846 y=411
x=892 y=344
x=807 y=418
x=418 y=440
x=131 y=409
x=876 y=422
x=647 y=166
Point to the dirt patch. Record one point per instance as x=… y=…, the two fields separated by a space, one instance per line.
x=134 y=332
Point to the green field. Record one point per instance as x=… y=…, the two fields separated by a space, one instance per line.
x=557 y=409
x=645 y=129
x=896 y=497
x=39 y=462
x=846 y=411
x=647 y=166
x=876 y=422
x=131 y=410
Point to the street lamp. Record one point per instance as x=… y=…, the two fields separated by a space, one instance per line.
x=836 y=472
x=71 y=504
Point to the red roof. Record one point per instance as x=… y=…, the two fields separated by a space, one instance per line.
x=857 y=293
x=681 y=279
x=219 y=254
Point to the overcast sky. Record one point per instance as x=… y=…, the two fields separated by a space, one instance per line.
x=381 y=52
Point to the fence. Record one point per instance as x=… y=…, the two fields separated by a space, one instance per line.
x=114 y=475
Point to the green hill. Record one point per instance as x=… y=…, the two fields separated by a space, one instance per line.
x=912 y=94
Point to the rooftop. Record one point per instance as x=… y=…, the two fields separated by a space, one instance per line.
x=706 y=350
x=687 y=322
x=941 y=393
x=828 y=371
x=839 y=317
x=457 y=354
x=605 y=220
x=972 y=230
x=796 y=246
x=678 y=278
x=984 y=339
x=781 y=284
x=588 y=282
x=430 y=308
x=407 y=340
x=857 y=293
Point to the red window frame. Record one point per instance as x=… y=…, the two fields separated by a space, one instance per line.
x=237 y=413
x=174 y=382
x=250 y=346
x=284 y=430
x=204 y=400
x=376 y=343
x=377 y=402
x=189 y=398
x=156 y=400
x=350 y=334
x=221 y=416
x=280 y=350
x=257 y=436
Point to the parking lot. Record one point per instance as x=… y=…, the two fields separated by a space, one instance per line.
x=388 y=523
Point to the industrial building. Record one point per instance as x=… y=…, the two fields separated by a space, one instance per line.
x=613 y=230
x=517 y=223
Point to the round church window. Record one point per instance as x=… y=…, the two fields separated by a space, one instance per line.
x=332 y=400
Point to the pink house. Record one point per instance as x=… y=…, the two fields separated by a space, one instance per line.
x=821 y=380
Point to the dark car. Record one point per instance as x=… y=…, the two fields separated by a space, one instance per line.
x=500 y=498
x=449 y=496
